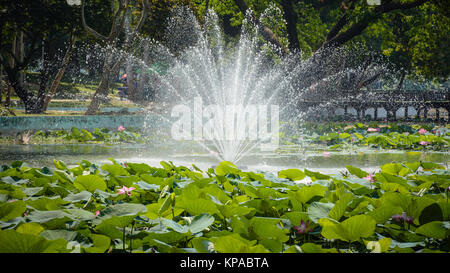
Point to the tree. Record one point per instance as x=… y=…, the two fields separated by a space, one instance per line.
x=111 y=63
x=43 y=24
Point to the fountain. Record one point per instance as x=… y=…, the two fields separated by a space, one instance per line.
x=230 y=100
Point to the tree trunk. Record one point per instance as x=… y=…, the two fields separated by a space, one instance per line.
x=144 y=76
x=291 y=18
x=20 y=47
x=131 y=81
x=11 y=65
x=206 y=8
x=33 y=104
x=60 y=74
x=402 y=78
x=101 y=93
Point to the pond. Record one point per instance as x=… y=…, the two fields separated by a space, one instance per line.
x=290 y=157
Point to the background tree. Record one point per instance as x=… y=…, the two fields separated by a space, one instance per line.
x=46 y=26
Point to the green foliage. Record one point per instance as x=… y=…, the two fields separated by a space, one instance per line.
x=400 y=136
x=84 y=136
x=172 y=208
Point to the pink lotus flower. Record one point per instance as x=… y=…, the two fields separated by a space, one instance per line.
x=326 y=154
x=97 y=213
x=424 y=143
x=371 y=130
x=303 y=227
x=370 y=178
x=120 y=128
x=125 y=190
x=422 y=131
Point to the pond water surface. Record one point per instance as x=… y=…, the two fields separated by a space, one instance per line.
x=369 y=160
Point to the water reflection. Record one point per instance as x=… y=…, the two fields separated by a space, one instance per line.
x=43 y=155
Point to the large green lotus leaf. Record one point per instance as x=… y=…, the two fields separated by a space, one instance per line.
x=59 y=233
x=318 y=210
x=350 y=230
x=3 y=197
x=162 y=247
x=215 y=191
x=140 y=168
x=46 y=203
x=226 y=167
x=63 y=176
x=292 y=174
x=201 y=222
x=175 y=226
x=30 y=191
x=239 y=224
x=295 y=217
x=116 y=221
x=115 y=169
x=315 y=248
x=153 y=209
x=111 y=230
x=383 y=213
x=316 y=175
x=30 y=228
x=202 y=245
x=197 y=224
x=272 y=245
x=229 y=211
x=394 y=187
x=306 y=193
x=396 y=199
x=395 y=169
x=59 y=164
x=148 y=187
x=394 y=178
x=11 y=172
x=48 y=215
x=13 y=192
x=428 y=166
x=78 y=197
x=430 y=213
x=340 y=206
x=151 y=179
x=435 y=229
x=293 y=249
x=90 y=182
x=236 y=244
x=126 y=181
x=12 y=241
x=356 y=171
x=197 y=206
x=12 y=210
x=268 y=228
x=330 y=229
x=250 y=190
x=100 y=243
x=170 y=237
x=413 y=166
x=166 y=204
x=80 y=214
x=379 y=246
x=124 y=209
x=445 y=208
